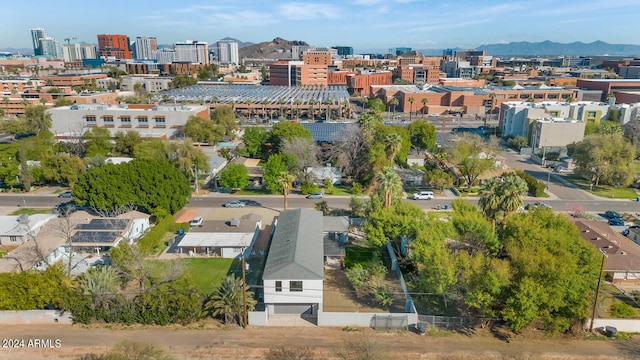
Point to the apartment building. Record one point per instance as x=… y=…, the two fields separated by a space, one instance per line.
x=72 y=79
x=148 y=120
x=114 y=45
x=146 y=47
x=151 y=83
x=227 y=52
x=555 y=132
x=8 y=86
x=195 y=52
x=78 y=52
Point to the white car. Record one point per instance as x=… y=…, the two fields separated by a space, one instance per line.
x=234 y=204
x=423 y=195
x=561 y=169
x=197 y=221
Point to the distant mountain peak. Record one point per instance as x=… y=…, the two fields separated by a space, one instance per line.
x=551 y=48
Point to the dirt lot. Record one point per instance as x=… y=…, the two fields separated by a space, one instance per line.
x=210 y=342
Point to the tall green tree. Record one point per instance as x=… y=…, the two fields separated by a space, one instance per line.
x=253 y=139
x=63 y=169
x=605 y=158
x=273 y=168
x=98 y=142
x=423 y=135
x=37 y=118
x=9 y=164
x=286 y=130
x=224 y=117
x=126 y=142
x=473 y=156
x=202 y=130
x=234 y=176
x=390 y=185
x=147 y=184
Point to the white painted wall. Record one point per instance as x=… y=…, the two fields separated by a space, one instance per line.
x=137 y=229
x=311 y=292
x=357 y=319
x=625 y=325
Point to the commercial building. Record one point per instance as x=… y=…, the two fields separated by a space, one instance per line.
x=608 y=86
x=146 y=47
x=50 y=47
x=114 y=46
x=148 y=120
x=36 y=35
x=79 y=52
x=190 y=51
x=344 y=51
x=165 y=56
x=555 y=132
x=360 y=83
x=227 y=51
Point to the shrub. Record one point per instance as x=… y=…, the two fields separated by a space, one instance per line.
x=309 y=188
x=622 y=310
x=153 y=242
x=382 y=295
x=358 y=276
x=536 y=188
x=328 y=187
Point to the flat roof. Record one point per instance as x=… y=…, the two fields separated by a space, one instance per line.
x=218 y=239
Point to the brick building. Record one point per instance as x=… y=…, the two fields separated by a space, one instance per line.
x=114 y=45
x=360 y=83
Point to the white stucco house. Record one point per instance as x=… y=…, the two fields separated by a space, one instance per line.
x=15 y=230
x=222 y=238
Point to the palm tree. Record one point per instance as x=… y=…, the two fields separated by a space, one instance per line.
x=249 y=102
x=388 y=182
x=424 y=102
x=328 y=102
x=513 y=188
x=411 y=100
x=281 y=103
x=490 y=199
x=224 y=300
x=284 y=180
x=395 y=103
x=323 y=206
x=297 y=103
x=264 y=103
x=392 y=144
x=313 y=102
x=346 y=106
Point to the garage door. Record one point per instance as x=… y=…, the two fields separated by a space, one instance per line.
x=292 y=309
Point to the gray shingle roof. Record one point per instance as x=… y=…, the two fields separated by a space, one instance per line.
x=296 y=251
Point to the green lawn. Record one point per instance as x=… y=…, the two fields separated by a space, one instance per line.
x=358 y=255
x=605 y=191
x=206 y=273
x=611 y=295
x=254 y=192
x=31 y=211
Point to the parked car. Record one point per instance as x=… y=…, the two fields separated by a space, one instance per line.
x=536 y=205
x=562 y=169
x=423 y=195
x=609 y=214
x=234 y=204
x=315 y=196
x=66 y=194
x=616 y=222
x=197 y=221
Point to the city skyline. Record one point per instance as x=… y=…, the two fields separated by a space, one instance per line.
x=362 y=24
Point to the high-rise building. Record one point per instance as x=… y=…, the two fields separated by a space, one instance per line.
x=227 y=52
x=165 y=56
x=50 y=47
x=78 y=52
x=112 y=45
x=36 y=35
x=195 y=52
x=146 y=47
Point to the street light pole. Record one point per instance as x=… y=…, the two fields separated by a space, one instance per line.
x=548 y=178
x=595 y=301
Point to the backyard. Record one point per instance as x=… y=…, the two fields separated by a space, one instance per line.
x=206 y=273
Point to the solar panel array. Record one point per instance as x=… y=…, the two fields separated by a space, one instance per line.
x=95 y=237
x=104 y=224
x=329 y=132
x=279 y=95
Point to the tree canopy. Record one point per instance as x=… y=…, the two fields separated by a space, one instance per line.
x=286 y=130
x=253 y=139
x=423 y=135
x=234 y=176
x=605 y=158
x=202 y=130
x=225 y=118
x=147 y=184
x=473 y=156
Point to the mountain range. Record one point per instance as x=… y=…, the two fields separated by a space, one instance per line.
x=550 y=48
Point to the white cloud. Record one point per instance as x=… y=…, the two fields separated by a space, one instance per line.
x=301 y=11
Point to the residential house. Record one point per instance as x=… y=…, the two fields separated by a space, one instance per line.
x=335 y=233
x=622 y=262
x=222 y=238
x=15 y=230
x=293 y=275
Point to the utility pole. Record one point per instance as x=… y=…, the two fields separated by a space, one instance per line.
x=244 y=292
x=595 y=301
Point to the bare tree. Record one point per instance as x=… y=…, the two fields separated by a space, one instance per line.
x=351 y=154
x=306 y=152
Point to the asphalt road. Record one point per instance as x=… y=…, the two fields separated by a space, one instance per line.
x=298 y=201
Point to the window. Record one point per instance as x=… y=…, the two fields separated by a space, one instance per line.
x=591 y=114
x=278 y=286
x=125 y=120
x=107 y=119
x=159 y=121
x=91 y=119
x=295 y=286
x=13 y=239
x=143 y=121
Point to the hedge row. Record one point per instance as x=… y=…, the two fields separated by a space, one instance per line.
x=536 y=188
x=153 y=242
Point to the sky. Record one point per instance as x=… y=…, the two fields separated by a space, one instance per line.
x=364 y=24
